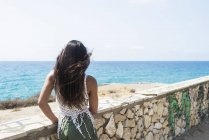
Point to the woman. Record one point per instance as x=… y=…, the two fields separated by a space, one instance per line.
x=76 y=94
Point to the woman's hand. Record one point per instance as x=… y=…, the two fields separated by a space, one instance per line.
x=44 y=96
x=55 y=120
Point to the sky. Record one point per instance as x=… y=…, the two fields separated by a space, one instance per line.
x=116 y=30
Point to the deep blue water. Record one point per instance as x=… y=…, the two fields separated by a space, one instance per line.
x=24 y=79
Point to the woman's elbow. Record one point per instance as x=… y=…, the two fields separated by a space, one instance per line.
x=41 y=103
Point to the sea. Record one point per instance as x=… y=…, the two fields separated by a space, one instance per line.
x=23 y=79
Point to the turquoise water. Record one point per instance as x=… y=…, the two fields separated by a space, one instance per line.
x=24 y=79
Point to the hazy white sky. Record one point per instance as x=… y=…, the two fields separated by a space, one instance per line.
x=115 y=29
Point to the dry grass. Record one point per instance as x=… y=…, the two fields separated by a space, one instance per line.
x=112 y=91
x=17 y=103
x=16 y=109
x=132 y=90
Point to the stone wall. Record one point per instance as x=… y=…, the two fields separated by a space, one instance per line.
x=155 y=114
x=158 y=118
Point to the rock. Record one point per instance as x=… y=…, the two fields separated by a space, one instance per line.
x=177 y=131
x=154 y=118
x=99 y=122
x=162 y=120
x=154 y=101
x=137 y=107
x=155 y=108
x=113 y=138
x=53 y=137
x=133 y=109
x=110 y=128
x=151 y=127
x=149 y=136
x=104 y=137
x=119 y=118
x=166 y=137
x=146 y=104
x=139 y=112
x=99 y=132
x=182 y=130
x=151 y=112
x=138 y=136
x=165 y=112
x=155 y=131
x=147 y=121
x=156 y=137
x=126 y=134
x=163 y=100
x=179 y=122
x=195 y=104
x=133 y=132
x=130 y=123
x=170 y=138
x=166 y=131
x=136 y=118
x=146 y=111
x=183 y=124
x=161 y=138
x=166 y=104
x=119 y=132
x=158 y=126
x=160 y=109
x=123 y=111
x=140 y=125
x=150 y=105
x=130 y=114
x=108 y=115
x=165 y=124
x=145 y=132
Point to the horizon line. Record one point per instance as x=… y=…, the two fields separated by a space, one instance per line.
x=111 y=60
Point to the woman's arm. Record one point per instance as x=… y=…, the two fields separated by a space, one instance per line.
x=92 y=91
x=44 y=96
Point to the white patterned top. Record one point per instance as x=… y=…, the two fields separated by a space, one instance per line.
x=73 y=112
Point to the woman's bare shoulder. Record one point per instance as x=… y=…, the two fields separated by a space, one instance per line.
x=91 y=80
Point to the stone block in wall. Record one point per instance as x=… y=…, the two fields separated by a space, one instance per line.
x=129 y=114
x=126 y=134
x=108 y=115
x=133 y=132
x=100 y=132
x=137 y=107
x=140 y=112
x=147 y=121
x=140 y=125
x=104 y=137
x=119 y=118
x=110 y=129
x=149 y=136
x=119 y=131
x=99 y=122
x=160 y=108
x=130 y=123
x=123 y=111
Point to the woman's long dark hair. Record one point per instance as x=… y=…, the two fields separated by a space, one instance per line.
x=69 y=73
